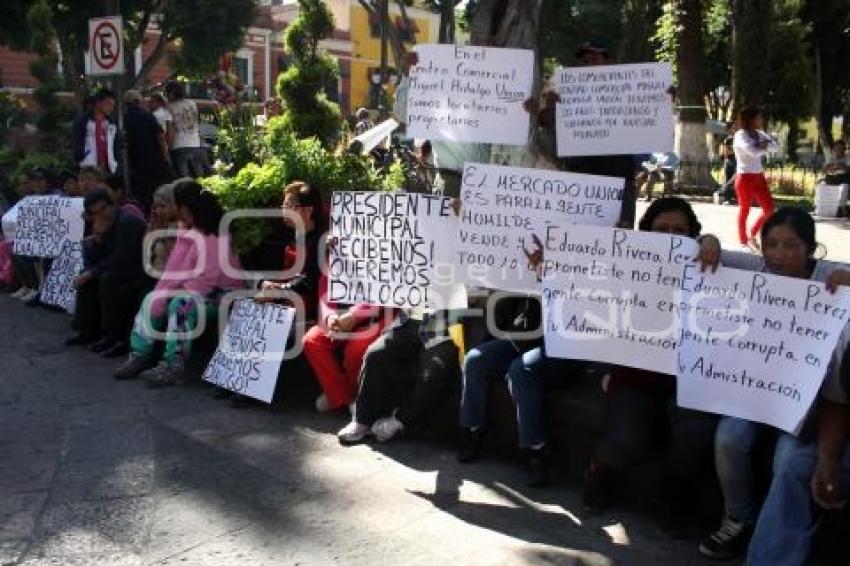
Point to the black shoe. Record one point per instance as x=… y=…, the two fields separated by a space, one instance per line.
x=81 y=340
x=594 y=494
x=34 y=302
x=102 y=345
x=470 y=446
x=537 y=467
x=728 y=541
x=134 y=365
x=117 y=350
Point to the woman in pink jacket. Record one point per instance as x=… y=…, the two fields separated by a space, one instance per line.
x=194 y=279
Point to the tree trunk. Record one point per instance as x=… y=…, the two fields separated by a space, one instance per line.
x=511 y=23
x=750 y=58
x=691 y=146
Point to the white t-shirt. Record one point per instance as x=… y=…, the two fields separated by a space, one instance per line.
x=185 y=116
x=163 y=117
x=747 y=153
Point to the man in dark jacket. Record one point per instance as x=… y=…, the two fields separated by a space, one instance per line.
x=147 y=149
x=112 y=257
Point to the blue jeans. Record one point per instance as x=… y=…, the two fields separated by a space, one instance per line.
x=733 y=447
x=789 y=518
x=527 y=375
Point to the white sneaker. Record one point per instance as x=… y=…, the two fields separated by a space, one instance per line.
x=386 y=429
x=746 y=249
x=19 y=294
x=31 y=295
x=322 y=404
x=353 y=432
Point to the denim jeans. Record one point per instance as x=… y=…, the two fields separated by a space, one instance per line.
x=789 y=518
x=733 y=447
x=527 y=374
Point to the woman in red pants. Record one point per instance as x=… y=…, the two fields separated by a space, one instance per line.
x=750 y=145
x=335 y=348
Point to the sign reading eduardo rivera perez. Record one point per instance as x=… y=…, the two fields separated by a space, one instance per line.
x=58 y=289
x=247 y=360
x=614 y=109
x=106 y=46
x=393 y=249
x=45 y=223
x=470 y=94
x=756 y=346
x=504 y=206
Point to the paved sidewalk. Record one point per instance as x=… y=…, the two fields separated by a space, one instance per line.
x=94 y=471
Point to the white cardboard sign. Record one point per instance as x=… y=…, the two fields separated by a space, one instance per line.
x=393 y=249
x=470 y=94
x=247 y=360
x=503 y=206
x=614 y=109
x=45 y=223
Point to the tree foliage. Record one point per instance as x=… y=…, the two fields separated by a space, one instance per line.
x=308 y=112
x=204 y=30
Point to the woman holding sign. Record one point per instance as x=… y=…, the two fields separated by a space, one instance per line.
x=788 y=245
x=751 y=144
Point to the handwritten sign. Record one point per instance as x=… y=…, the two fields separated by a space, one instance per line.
x=391 y=249
x=608 y=295
x=10 y=222
x=756 y=346
x=614 y=109
x=45 y=223
x=247 y=360
x=503 y=206
x=58 y=289
x=470 y=94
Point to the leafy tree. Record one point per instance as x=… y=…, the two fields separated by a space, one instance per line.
x=308 y=112
x=751 y=29
x=203 y=29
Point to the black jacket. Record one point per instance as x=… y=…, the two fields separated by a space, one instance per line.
x=119 y=251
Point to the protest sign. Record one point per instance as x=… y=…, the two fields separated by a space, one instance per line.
x=614 y=109
x=10 y=222
x=756 y=346
x=606 y=295
x=470 y=94
x=247 y=360
x=58 y=289
x=391 y=249
x=45 y=223
x=503 y=207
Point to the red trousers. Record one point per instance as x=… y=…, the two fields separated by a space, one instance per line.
x=752 y=187
x=336 y=362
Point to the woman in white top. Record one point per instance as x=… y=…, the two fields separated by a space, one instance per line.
x=750 y=145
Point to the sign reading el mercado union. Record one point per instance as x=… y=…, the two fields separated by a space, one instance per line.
x=106 y=47
x=470 y=94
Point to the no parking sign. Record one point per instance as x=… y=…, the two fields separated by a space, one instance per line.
x=106 y=47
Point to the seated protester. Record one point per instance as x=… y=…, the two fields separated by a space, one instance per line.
x=112 y=259
x=811 y=473
x=493 y=360
x=163 y=217
x=194 y=279
x=837 y=170
x=305 y=215
x=643 y=416
x=335 y=346
x=88 y=179
x=127 y=296
x=68 y=183
x=788 y=245
x=305 y=202
x=115 y=185
x=404 y=374
x=32 y=271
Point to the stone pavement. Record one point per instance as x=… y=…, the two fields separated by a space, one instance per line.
x=722 y=221
x=94 y=471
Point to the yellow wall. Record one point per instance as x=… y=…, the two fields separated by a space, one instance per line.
x=366 y=50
